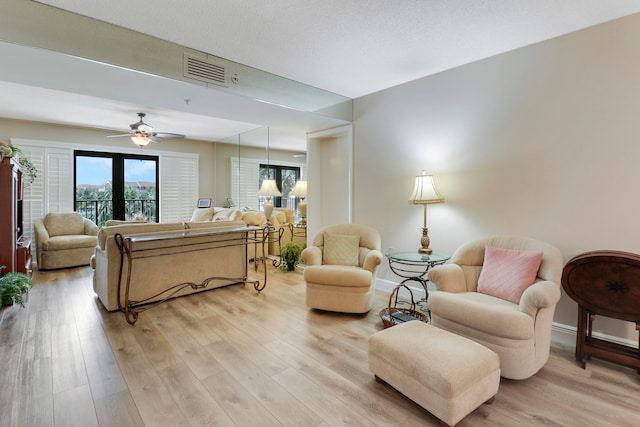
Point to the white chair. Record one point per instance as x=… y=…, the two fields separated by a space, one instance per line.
x=341 y=267
x=519 y=331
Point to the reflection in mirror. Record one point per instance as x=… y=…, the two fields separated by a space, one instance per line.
x=254 y=159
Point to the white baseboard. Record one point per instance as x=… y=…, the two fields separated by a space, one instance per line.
x=562 y=336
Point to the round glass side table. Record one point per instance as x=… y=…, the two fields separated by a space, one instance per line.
x=414 y=266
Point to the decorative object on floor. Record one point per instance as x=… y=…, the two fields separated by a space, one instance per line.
x=269 y=188
x=142 y=134
x=393 y=315
x=289 y=256
x=519 y=332
x=342 y=288
x=604 y=283
x=448 y=375
x=425 y=193
x=300 y=190
x=14 y=288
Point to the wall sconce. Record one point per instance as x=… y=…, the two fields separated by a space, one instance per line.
x=425 y=193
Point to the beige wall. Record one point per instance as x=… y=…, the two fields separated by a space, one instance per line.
x=543 y=141
x=85 y=138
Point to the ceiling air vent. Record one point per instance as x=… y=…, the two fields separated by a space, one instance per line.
x=203 y=70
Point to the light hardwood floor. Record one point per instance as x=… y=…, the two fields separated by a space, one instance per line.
x=232 y=357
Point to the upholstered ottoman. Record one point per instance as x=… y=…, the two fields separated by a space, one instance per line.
x=448 y=375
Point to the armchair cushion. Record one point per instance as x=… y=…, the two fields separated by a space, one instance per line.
x=507 y=273
x=341 y=249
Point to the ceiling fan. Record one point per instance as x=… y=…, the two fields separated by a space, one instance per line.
x=141 y=133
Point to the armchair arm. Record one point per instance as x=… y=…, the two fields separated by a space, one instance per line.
x=90 y=229
x=372 y=260
x=540 y=295
x=447 y=278
x=311 y=255
x=41 y=236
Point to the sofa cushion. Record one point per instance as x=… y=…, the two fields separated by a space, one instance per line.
x=59 y=224
x=202 y=214
x=507 y=273
x=226 y=214
x=254 y=218
x=341 y=249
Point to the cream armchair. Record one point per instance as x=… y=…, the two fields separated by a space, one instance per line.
x=64 y=240
x=518 y=331
x=341 y=267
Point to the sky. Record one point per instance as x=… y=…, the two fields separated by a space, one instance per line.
x=97 y=170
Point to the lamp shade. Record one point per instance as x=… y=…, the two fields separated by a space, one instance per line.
x=300 y=189
x=424 y=191
x=269 y=188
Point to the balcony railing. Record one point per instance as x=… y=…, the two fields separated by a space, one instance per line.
x=100 y=211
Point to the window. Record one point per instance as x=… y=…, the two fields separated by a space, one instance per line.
x=116 y=186
x=286 y=178
x=246 y=179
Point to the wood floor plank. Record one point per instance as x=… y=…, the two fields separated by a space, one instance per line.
x=330 y=408
x=68 y=367
x=103 y=372
x=198 y=406
x=74 y=407
x=237 y=402
x=154 y=402
x=285 y=407
x=118 y=410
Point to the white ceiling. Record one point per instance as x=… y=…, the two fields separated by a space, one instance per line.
x=352 y=48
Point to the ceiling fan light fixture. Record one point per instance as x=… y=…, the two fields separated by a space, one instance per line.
x=140 y=141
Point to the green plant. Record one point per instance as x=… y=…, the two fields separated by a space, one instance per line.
x=28 y=168
x=289 y=256
x=14 y=288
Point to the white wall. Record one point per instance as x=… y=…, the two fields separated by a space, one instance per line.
x=543 y=141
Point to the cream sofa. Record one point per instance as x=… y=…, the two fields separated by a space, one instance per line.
x=64 y=240
x=168 y=266
x=217 y=214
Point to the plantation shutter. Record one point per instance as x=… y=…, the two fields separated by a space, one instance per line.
x=245 y=181
x=178 y=187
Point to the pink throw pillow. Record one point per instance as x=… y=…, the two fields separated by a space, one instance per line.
x=508 y=273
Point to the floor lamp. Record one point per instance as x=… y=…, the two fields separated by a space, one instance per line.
x=425 y=193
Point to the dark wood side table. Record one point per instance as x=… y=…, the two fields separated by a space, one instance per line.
x=605 y=283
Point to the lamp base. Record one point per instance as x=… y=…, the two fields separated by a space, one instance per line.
x=425 y=241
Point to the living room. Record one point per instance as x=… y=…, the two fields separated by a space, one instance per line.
x=537 y=141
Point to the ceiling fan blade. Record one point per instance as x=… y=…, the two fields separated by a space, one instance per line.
x=119 y=136
x=154 y=139
x=169 y=135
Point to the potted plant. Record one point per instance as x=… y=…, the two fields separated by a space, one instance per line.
x=289 y=256
x=14 y=288
x=28 y=168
